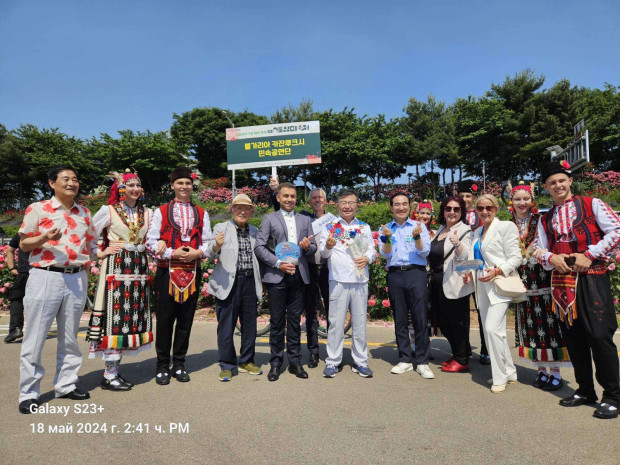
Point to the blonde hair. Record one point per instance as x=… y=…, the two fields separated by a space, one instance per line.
x=490 y=198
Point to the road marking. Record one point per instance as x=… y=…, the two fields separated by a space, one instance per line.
x=323 y=341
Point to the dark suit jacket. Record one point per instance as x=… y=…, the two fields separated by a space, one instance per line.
x=273 y=226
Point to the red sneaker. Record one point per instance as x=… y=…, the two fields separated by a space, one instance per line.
x=455 y=367
x=447 y=362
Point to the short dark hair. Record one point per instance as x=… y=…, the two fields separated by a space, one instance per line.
x=396 y=194
x=287 y=185
x=346 y=193
x=53 y=172
x=453 y=198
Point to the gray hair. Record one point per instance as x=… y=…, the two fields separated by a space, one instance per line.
x=319 y=190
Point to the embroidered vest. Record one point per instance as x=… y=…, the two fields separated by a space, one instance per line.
x=171 y=232
x=585 y=227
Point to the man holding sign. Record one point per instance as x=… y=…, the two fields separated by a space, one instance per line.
x=285 y=276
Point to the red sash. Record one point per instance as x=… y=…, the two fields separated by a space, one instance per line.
x=182 y=280
x=564 y=286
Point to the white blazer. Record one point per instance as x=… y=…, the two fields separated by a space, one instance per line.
x=500 y=248
x=453 y=285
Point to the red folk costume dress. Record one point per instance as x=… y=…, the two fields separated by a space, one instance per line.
x=121 y=322
x=538 y=334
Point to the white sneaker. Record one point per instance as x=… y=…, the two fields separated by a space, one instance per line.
x=425 y=372
x=498 y=388
x=401 y=368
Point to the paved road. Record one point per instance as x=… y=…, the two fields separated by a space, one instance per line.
x=386 y=419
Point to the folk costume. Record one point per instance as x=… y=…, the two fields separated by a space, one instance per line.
x=178 y=224
x=583 y=301
x=538 y=334
x=121 y=323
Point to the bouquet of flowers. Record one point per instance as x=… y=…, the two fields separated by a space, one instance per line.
x=358 y=247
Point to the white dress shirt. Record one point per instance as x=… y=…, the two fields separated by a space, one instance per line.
x=291 y=226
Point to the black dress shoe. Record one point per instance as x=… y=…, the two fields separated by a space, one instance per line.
x=550 y=385
x=25 y=406
x=485 y=359
x=162 y=377
x=606 y=411
x=274 y=374
x=15 y=334
x=314 y=361
x=180 y=374
x=540 y=380
x=576 y=400
x=128 y=383
x=76 y=394
x=297 y=370
x=115 y=384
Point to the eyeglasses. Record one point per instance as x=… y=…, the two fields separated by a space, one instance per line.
x=347 y=204
x=453 y=209
x=481 y=208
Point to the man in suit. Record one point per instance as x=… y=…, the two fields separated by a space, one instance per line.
x=285 y=281
x=319 y=279
x=236 y=286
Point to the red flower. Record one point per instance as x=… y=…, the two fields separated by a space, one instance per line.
x=565 y=164
x=47 y=207
x=71 y=253
x=194 y=176
x=116 y=330
x=474 y=187
x=75 y=239
x=126 y=318
x=47 y=256
x=47 y=223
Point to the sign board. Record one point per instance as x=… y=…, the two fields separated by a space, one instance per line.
x=577 y=153
x=283 y=144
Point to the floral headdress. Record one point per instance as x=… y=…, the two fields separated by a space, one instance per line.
x=117 y=191
x=524 y=187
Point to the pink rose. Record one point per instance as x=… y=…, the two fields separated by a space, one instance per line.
x=205 y=275
x=1 y=266
x=7 y=284
x=210 y=270
x=1 y=258
x=375 y=235
x=611 y=267
x=372 y=302
x=2 y=289
x=386 y=303
x=615 y=301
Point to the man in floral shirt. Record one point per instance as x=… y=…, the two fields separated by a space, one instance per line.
x=60 y=238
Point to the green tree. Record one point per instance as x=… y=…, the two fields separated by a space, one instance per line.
x=203 y=132
x=16 y=183
x=152 y=155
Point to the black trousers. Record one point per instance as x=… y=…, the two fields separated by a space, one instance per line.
x=453 y=318
x=591 y=337
x=408 y=293
x=286 y=301
x=16 y=297
x=483 y=345
x=239 y=305
x=319 y=281
x=168 y=313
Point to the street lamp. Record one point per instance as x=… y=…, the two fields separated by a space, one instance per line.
x=234 y=183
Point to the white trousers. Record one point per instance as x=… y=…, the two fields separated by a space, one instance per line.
x=493 y=319
x=343 y=297
x=52 y=295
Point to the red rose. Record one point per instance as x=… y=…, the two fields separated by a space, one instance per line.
x=474 y=187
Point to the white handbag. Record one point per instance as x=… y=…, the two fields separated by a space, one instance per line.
x=511 y=286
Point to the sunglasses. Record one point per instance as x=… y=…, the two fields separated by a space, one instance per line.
x=453 y=209
x=480 y=208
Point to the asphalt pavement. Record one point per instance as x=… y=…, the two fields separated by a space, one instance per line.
x=394 y=419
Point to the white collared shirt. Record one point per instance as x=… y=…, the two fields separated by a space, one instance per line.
x=291 y=227
x=340 y=261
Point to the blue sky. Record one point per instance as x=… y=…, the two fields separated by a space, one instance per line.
x=89 y=67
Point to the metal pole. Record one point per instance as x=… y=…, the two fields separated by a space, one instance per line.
x=234 y=185
x=484 y=177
